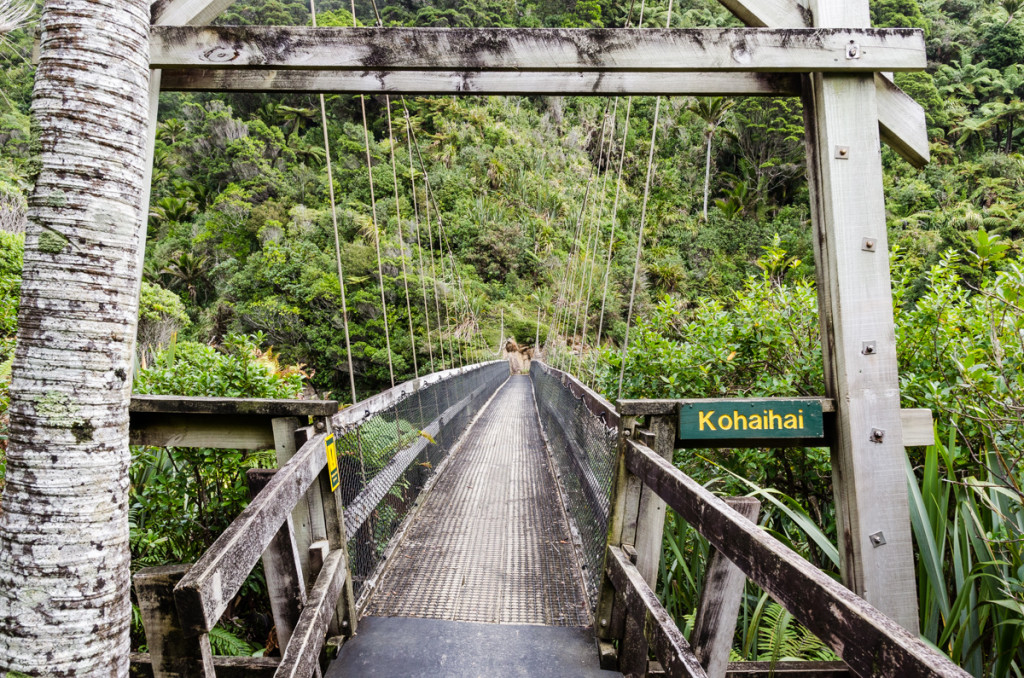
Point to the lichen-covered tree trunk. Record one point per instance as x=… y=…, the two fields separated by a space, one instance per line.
x=64 y=578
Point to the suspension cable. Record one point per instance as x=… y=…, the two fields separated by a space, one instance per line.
x=373 y=214
x=401 y=240
x=419 y=245
x=643 y=222
x=337 y=256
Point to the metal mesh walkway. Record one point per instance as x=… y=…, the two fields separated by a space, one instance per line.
x=491 y=542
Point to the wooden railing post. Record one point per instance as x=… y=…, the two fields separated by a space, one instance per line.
x=305 y=523
x=719 y=606
x=281 y=565
x=636 y=524
x=333 y=515
x=173 y=654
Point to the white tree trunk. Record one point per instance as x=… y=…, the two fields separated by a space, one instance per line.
x=64 y=578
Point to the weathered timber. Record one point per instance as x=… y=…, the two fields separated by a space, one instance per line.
x=769 y=13
x=651 y=519
x=786 y=669
x=901 y=120
x=621 y=521
x=653 y=620
x=281 y=566
x=235 y=432
x=540 y=49
x=285 y=446
x=141 y=666
x=918 y=428
x=186 y=12
x=301 y=656
x=715 y=624
x=204 y=593
x=173 y=653
x=858 y=332
x=266 y=407
x=562 y=83
x=872 y=644
x=344 y=620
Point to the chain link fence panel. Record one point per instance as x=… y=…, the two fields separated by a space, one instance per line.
x=582 y=430
x=389 y=446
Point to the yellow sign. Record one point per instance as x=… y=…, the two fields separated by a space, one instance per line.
x=332 y=462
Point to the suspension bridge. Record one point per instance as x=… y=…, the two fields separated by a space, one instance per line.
x=473 y=521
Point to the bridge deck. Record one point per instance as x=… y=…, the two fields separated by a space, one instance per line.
x=491 y=542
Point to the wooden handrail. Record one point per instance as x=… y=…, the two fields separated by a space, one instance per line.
x=656 y=628
x=303 y=652
x=204 y=593
x=869 y=642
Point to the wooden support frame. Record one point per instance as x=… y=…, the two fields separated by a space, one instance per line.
x=901 y=120
x=172 y=653
x=871 y=643
x=547 y=50
x=718 y=610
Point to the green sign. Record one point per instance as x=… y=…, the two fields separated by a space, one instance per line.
x=747 y=418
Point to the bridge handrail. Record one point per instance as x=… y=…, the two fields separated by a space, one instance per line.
x=595 y=402
x=355 y=414
x=204 y=593
x=868 y=641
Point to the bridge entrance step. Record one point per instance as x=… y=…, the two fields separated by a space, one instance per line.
x=416 y=648
x=491 y=542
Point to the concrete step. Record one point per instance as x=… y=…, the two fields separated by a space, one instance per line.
x=406 y=647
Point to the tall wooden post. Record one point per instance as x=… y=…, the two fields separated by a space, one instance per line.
x=858 y=335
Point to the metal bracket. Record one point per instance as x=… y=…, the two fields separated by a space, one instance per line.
x=853 y=50
x=843 y=152
x=868 y=244
x=877 y=539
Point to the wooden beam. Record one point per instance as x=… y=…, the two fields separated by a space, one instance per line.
x=204 y=593
x=719 y=606
x=555 y=49
x=302 y=654
x=267 y=407
x=483 y=82
x=858 y=331
x=281 y=565
x=173 y=654
x=225 y=667
x=901 y=120
x=652 y=619
x=186 y=12
x=872 y=644
x=801 y=669
x=769 y=13
x=232 y=432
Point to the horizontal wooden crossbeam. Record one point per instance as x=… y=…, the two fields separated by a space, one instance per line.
x=482 y=82
x=547 y=50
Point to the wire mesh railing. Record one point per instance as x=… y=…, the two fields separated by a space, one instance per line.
x=389 y=445
x=582 y=431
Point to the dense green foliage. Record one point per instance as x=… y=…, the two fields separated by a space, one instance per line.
x=520 y=210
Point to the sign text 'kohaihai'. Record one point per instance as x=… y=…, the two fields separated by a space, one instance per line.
x=746 y=418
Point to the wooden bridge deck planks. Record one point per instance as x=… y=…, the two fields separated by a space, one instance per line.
x=491 y=542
